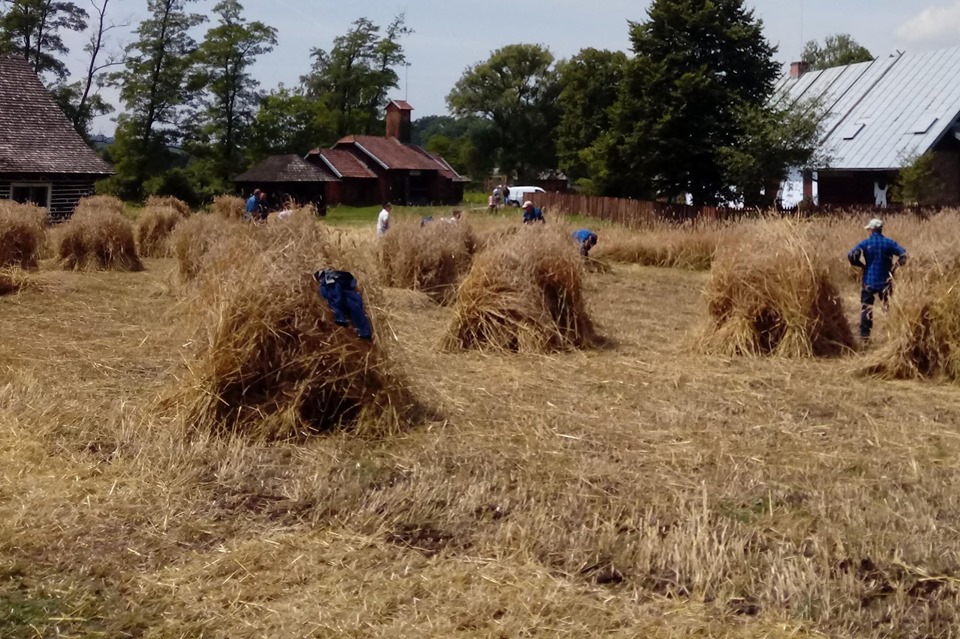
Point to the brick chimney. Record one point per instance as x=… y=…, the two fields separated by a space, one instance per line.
x=398 y=120
x=797 y=69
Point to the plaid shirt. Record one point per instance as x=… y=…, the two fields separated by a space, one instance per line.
x=878 y=252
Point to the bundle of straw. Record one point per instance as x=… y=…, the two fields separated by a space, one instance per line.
x=100 y=203
x=431 y=258
x=269 y=362
x=768 y=295
x=22 y=234
x=230 y=207
x=193 y=238
x=98 y=239
x=154 y=227
x=168 y=201
x=524 y=294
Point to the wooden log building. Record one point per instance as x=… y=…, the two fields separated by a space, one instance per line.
x=43 y=160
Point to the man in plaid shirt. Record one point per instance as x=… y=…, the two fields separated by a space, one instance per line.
x=875 y=255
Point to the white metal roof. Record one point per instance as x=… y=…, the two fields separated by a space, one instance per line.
x=881 y=113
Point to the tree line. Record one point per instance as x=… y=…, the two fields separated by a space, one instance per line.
x=691 y=113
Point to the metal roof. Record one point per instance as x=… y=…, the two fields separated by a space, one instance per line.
x=881 y=113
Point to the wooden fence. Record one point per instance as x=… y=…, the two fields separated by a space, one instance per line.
x=634 y=213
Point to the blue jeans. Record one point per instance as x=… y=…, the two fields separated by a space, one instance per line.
x=339 y=288
x=868 y=296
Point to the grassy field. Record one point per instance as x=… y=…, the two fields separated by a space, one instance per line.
x=637 y=490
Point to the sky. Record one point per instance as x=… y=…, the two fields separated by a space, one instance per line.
x=452 y=35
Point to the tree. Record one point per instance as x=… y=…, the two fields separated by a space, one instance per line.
x=290 y=122
x=355 y=76
x=32 y=29
x=919 y=184
x=81 y=101
x=776 y=137
x=515 y=90
x=589 y=87
x=839 y=49
x=230 y=98
x=697 y=68
x=153 y=90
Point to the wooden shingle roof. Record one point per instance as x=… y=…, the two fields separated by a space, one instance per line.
x=344 y=164
x=390 y=153
x=35 y=135
x=278 y=169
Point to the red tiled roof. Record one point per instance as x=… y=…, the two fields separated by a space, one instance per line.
x=35 y=135
x=344 y=164
x=390 y=153
x=281 y=169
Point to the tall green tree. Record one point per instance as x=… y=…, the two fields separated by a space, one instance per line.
x=589 y=87
x=697 y=67
x=153 y=90
x=34 y=29
x=358 y=72
x=290 y=122
x=81 y=100
x=230 y=94
x=515 y=90
x=837 y=50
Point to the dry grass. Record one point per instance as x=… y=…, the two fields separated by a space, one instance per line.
x=769 y=295
x=523 y=294
x=13 y=280
x=670 y=246
x=639 y=490
x=230 y=207
x=270 y=363
x=433 y=258
x=98 y=239
x=22 y=234
x=154 y=228
x=169 y=201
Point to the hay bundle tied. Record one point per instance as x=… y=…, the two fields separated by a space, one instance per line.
x=22 y=234
x=195 y=237
x=168 y=201
x=230 y=207
x=270 y=362
x=923 y=331
x=769 y=295
x=524 y=294
x=12 y=280
x=98 y=239
x=432 y=258
x=154 y=228
x=98 y=203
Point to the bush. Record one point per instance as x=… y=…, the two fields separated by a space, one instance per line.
x=22 y=234
x=432 y=258
x=98 y=239
x=270 y=363
x=769 y=295
x=154 y=228
x=229 y=206
x=523 y=294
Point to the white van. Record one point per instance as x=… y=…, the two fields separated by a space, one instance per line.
x=519 y=193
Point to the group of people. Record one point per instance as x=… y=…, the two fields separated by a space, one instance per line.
x=256 y=207
x=499 y=197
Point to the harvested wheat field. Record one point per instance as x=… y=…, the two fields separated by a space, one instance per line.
x=641 y=489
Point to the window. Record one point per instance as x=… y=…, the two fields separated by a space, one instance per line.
x=38 y=194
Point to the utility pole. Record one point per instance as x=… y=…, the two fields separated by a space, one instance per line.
x=406 y=82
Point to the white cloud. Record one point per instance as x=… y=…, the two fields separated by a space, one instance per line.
x=934 y=25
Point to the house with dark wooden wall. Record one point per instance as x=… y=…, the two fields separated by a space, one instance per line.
x=43 y=160
x=290 y=176
x=370 y=169
x=878 y=116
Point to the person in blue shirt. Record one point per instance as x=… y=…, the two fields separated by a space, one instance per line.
x=253 y=205
x=532 y=214
x=875 y=255
x=586 y=239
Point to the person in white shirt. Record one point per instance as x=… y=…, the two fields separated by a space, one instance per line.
x=383 y=220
